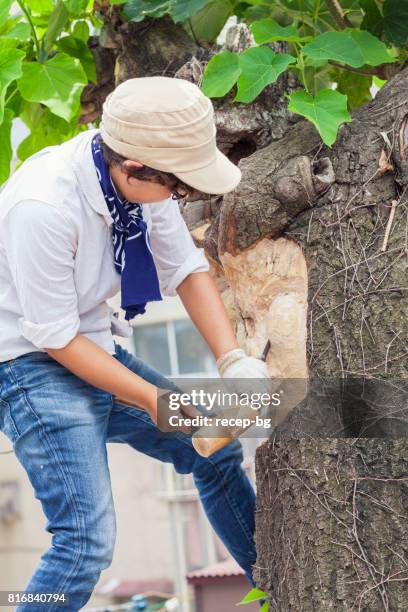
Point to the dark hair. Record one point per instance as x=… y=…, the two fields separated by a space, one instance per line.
x=145 y=173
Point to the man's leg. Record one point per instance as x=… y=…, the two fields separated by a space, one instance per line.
x=58 y=425
x=226 y=494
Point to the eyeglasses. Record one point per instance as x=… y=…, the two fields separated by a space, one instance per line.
x=176 y=195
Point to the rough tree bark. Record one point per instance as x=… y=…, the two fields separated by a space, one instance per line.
x=310 y=251
x=331 y=512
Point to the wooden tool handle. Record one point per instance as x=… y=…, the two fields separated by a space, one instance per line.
x=208 y=446
x=204 y=446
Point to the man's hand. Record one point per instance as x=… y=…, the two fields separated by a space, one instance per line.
x=247 y=375
x=183 y=413
x=237 y=364
x=160 y=412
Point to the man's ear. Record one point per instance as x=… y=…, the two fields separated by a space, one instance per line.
x=129 y=164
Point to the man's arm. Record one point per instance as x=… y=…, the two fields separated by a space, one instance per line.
x=96 y=366
x=184 y=270
x=203 y=302
x=40 y=244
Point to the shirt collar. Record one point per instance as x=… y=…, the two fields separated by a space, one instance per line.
x=78 y=150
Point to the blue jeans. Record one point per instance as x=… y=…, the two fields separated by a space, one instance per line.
x=59 y=425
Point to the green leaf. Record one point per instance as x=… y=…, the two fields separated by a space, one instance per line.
x=221 y=74
x=31 y=113
x=269 y=30
x=378 y=82
x=317 y=77
x=327 y=111
x=264 y=607
x=352 y=47
x=395 y=25
x=253 y=595
x=57 y=83
x=373 y=51
x=254 y=13
x=20 y=31
x=181 y=10
x=373 y=20
x=15 y=101
x=208 y=22
x=76 y=7
x=81 y=31
x=37 y=140
x=57 y=23
x=5 y=6
x=46 y=130
x=355 y=86
x=41 y=22
x=10 y=68
x=6 y=149
x=260 y=66
x=133 y=10
x=392 y=25
x=137 y=10
x=7 y=44
x=313 y=63
x=40 y=6
x=5 y=26
x=77 y=48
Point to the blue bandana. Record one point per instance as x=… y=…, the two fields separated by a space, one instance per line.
x=132 y=253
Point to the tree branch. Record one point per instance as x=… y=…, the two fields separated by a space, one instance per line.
x=383 y=71
x=337 y=13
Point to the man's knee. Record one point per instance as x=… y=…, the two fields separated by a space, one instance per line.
x=227 y=458
x=101 y=548
x=186 y=460
x=91 y=547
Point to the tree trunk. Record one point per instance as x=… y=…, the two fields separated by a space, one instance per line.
x=331 y=524
x=310 y=252
x=331 y=512
x=332 y=497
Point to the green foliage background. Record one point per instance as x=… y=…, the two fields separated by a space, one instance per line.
x=45 y=61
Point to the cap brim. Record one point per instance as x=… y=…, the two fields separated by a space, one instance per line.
x=219 y=177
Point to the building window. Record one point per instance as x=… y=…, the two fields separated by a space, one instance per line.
x=174 y=348
x=151 y=345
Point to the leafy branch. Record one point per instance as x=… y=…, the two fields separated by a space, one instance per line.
x=255 y=68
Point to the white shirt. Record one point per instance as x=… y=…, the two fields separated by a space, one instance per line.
x=56 y=253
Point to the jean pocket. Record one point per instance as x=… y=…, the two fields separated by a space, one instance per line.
x=7 y=423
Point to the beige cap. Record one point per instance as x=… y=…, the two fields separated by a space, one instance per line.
x=168 y=124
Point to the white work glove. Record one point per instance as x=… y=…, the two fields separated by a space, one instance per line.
x=237 y=364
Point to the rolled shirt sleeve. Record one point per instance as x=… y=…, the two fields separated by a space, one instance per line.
x=174 y=252
x=40 y=243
